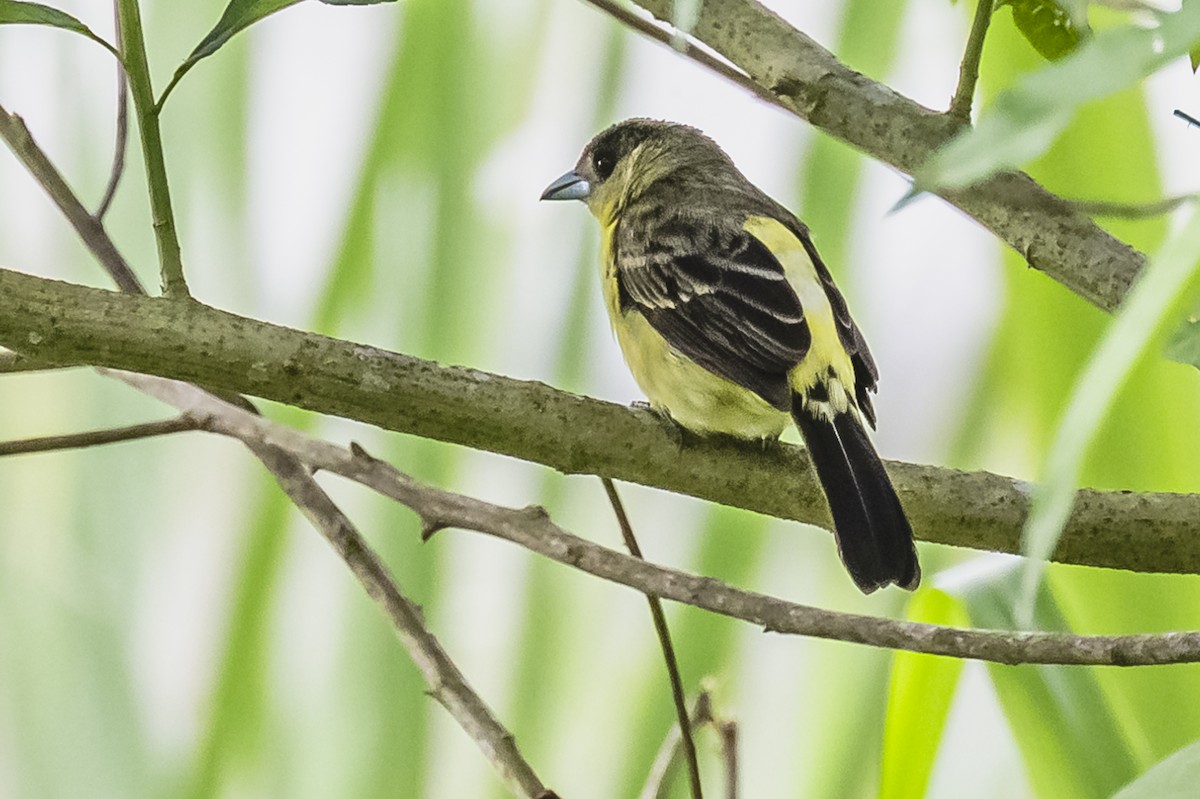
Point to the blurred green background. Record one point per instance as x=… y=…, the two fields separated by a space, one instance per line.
x=170 y=626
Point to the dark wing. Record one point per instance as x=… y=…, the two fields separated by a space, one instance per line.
x=717 y=295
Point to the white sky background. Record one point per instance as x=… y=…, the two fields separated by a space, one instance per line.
x=924 y=284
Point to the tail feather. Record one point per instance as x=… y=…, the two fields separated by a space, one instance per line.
x=873 y=535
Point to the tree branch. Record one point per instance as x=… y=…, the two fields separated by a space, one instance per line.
x=532 y=529
x=97 y=437
x=446 y=683
x=20 y=141
x=14 y=362
x=806 y=79
x=74 y=325
x=651 y=29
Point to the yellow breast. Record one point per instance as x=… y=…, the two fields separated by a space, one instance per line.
x=695 y=397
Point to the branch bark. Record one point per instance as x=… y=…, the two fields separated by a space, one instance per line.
x=532 y=529
x=810 y=82
x=73 y=325
x=95 y=438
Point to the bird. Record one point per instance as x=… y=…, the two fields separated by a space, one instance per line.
x=731 y=324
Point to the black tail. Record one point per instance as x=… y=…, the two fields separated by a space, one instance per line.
x=873 y=535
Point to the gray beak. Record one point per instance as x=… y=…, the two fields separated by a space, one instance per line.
x=568 y=187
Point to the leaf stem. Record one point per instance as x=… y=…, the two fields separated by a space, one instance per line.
x=133 y=48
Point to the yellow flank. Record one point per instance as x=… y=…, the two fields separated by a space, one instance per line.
x=826 y=351
x=695 y=397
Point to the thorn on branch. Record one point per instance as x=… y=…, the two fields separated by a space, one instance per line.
x=359 y=453
x=430 y=528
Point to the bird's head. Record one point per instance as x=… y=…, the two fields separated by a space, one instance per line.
x=622 y=161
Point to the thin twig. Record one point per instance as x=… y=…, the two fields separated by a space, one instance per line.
x=1188 y=118
x=20 y=141
x=133 y=48
x=122 y=137
x=446 y=683
x=532 y=529
x=662 y=771
x=1114 y=210
x=968 y=73
x=728 y=731
x=94 y=438
x=693 y=50
x=664 y=641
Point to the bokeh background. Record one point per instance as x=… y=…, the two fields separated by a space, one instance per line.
x=170 y=626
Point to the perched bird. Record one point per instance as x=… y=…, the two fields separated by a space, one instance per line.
x=731 y=323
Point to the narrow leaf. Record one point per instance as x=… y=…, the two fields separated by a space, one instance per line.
x=1174 y=777
x=1026 y=118
x=1069 y=735
x=239 y=15
x=919 y=696
x=17 y=12
x=1167 y=286
x=1184 y=344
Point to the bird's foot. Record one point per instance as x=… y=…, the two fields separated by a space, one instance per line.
x=674 y=430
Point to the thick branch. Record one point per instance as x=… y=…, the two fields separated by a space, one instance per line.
x=1047 y=231
x=531 y=528
x=13 y=362
x=72 y=325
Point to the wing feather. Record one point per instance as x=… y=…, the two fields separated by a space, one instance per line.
x=718 y=296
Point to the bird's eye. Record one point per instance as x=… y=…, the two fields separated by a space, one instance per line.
x=603 y=163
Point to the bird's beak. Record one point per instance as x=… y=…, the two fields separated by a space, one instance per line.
x=568 y=187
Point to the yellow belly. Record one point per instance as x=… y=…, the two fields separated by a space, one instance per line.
x=695 y=397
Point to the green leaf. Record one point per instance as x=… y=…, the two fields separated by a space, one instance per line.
x=1194 y=57
x=919 y=698
x=1069 y=736
x=239 y=15
x=1026 y=118
x=1047 y=26
x=355 y=2
x=1168 y=285
x=1173 y=777
x=16 y=12
x=1184 y=344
